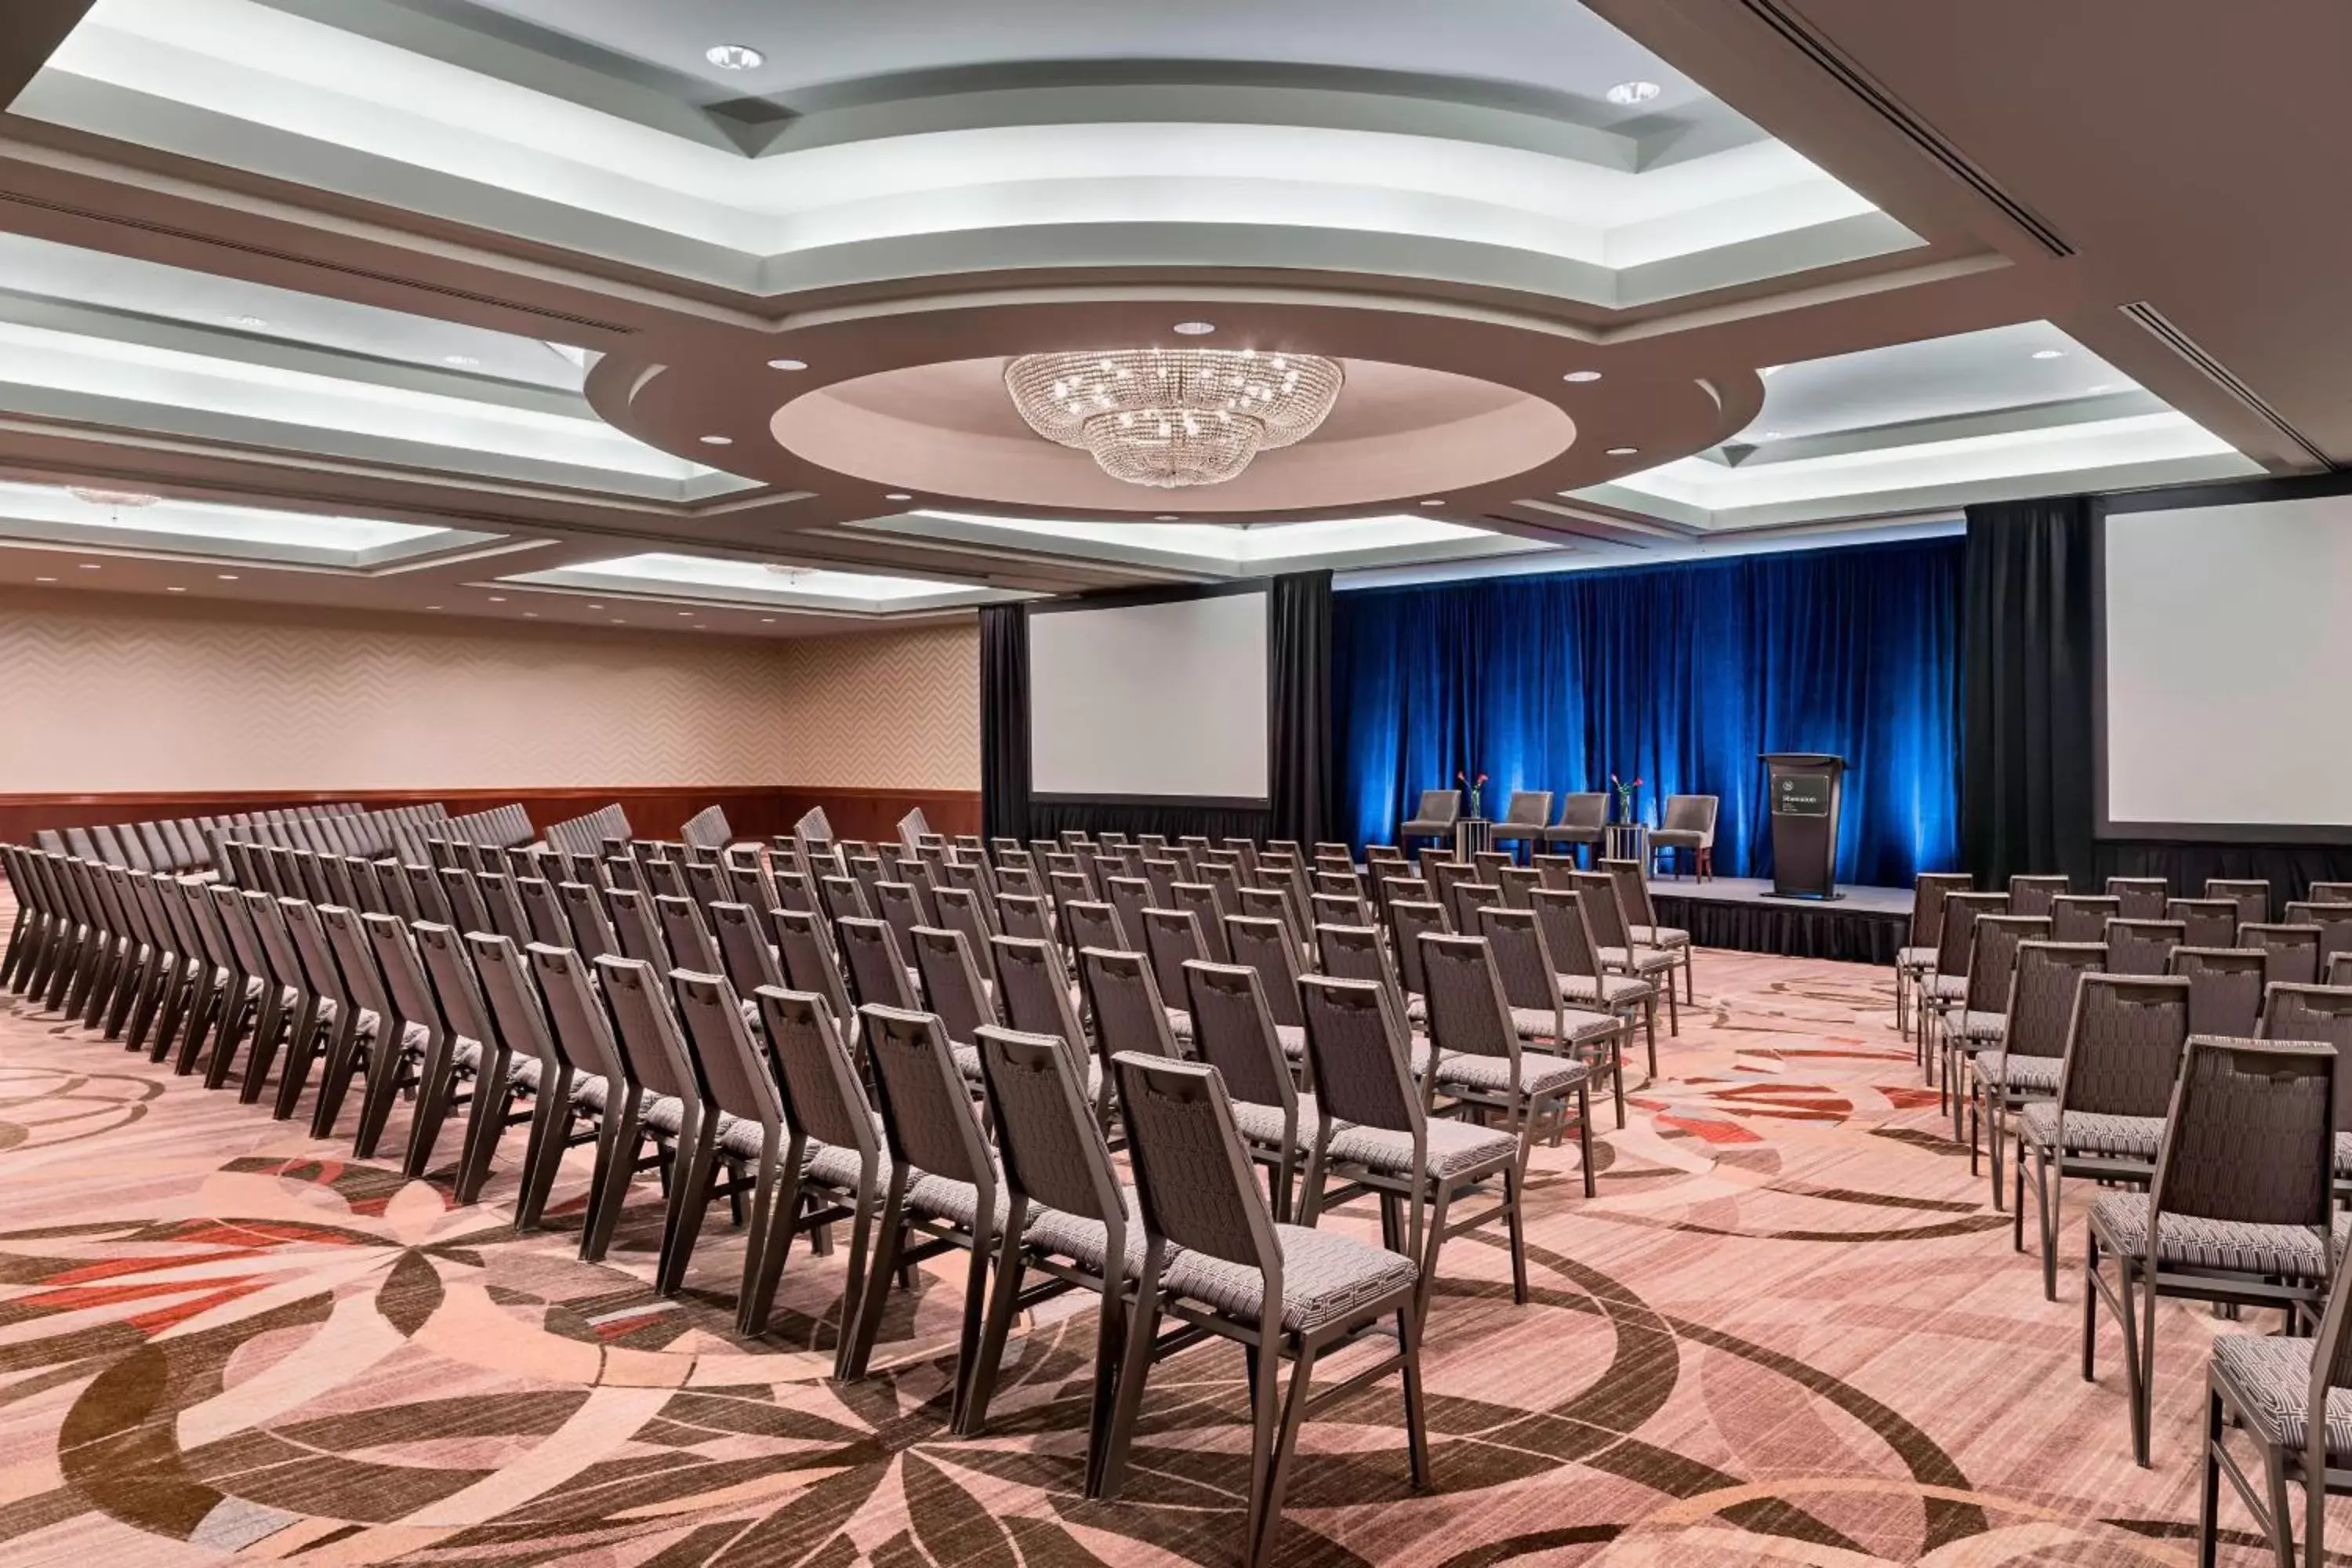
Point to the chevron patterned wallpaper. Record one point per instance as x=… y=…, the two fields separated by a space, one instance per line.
x=111 y=693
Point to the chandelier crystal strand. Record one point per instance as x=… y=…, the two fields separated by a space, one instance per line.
x=1169 y=419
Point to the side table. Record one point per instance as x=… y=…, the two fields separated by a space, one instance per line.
x=1473 y=836
x=1627 y=841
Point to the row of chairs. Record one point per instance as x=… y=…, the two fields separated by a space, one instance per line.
x=1686 y=823
x=456 y=1024
x=187 y=844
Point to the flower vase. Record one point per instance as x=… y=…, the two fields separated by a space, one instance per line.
x=1474 y=811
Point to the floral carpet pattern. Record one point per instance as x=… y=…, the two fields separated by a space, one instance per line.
x=1790 y=1331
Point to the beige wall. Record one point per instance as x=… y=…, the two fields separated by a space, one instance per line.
x=120 y=692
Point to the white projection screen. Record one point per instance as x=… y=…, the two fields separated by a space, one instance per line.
x=2227 y=633
x=1149 y=702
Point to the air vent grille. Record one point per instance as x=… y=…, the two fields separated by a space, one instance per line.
x=2155 y=324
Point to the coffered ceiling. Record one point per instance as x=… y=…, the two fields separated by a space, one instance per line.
x=527 y=308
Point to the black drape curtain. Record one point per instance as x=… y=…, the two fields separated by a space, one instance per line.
x=1300 y=705
x=2028 y=668
x=1004 y=720
x=1298 y=714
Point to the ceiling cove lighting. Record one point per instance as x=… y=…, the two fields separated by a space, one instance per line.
x=735 y=56
x=1169 y=419
x=1627 y=93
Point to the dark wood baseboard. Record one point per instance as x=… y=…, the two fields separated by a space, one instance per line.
x=754 y=811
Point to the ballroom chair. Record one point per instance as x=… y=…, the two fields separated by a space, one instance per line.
x=1524 y=820
x=2225 y=989
x=743 y=1126
x=2292 y=950
x=2144 y=897
x=1688 y=823
x=2318 y=1014
x=2291 y=1399
x=2238 y=1211
x=2031 y=895
x=2123 y=1054
x=1581 y=818
x=1614 y=945
x=1439 y=810
x=668 y=1104
x=2143 y=946
x=2043 y=980
x=1233 y=1031
x=1584 y=981
x=2335 y=923
x=1978 y=1024
x=1531 y=980
x=1476 y=1057
x=1915 y=962
x=1217 y=1261
x=1642 y=920
x=2205 y=922
x=2252 y=895
x=2084 y=916
x=567 y=1089
x=835 y=1144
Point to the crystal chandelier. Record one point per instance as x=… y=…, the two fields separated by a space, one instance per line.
x=1172 y=417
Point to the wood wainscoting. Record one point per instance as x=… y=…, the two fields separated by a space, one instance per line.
x=753 y=811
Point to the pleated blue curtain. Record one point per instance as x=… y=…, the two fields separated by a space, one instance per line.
x=1678 y=675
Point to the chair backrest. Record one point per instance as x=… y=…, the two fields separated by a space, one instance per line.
x=743 y=947
x=2252 y=895
x=456 y=988
x=404 y=985
x=2083 y=916
x=1408 y=922
x=841 y=897
x=1192 y=1176
x=2335 y=923
x=542 y=912
x=1633 y=885
x=1584 y=811
x=1691 y=814
x=2041 y=989
x=1957 y=940
x=1568 y=934
x=737 y=1078
x=966 y=910
x=653 y=1048
x=517 y=1010
x=2339 y=970
x=1468 y=1012
x=1528 y=808
x=808 y=959
x=1208 y=914
x=2205 y=922
x=686 y=935
x=1124 y=1000
x=1466 y=899
x=2144 y=897
x=2225 y=989
x=926 y=1114
x=1046 y=1132
x=818 y=1082
x=576 y=1007
x=1357 y=1047
x=1023 y=914
x=1439 y=805
x=1233 y=1032
x=639 y=926
x=2031 y=895
x=951 y=986
x=592 y=927
x=2328 y=893
x=1033 y=994
x=1995 y=956
x=1357 y=952
x=1603 y=914
x=899 y=905
x=309 y=935
x=1086 y=923
x=2249 y=1136
x=2123 y=1044
x=2142 y=947
x=2293 y=950
x=1266 y=946
x=2319 y=1012
x=1523 y=961
x=876 y=966
x=1173 y=938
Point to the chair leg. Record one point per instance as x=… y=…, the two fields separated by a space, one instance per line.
x=877 y=1290
x=855 y=1280
x=1265 y=1433
x=689 y=1202
x=2141 y=1348
x=2209 y=1492
x=618 y=1138
x=1674 y=1008
x=1650 y=1017
x=1110 y=1344
x=1416 y=1418
x=776 y=1220
x=386 y=1069
x=436 y=1087
x=552 y=1120
x=1003 y=1301
x=486 y=1122
x=2049 y=1195
x=2282 y=1531
x=1135 y=1368
x=1584 y=1136
x=1515 y=1183
x=344 y=1051
x=1285 y=1448
x=975 y=1322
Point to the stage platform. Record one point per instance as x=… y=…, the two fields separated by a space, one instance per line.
x=1866 y=926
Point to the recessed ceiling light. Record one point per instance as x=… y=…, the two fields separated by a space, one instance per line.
x=767 y=620
x=432 y=607
x=719 y=440
x=249 y=322
x=531 y=614
x=498 y=598
x=462 y=361
x=45 y=579
x=229 y=576
x=2049 y=353
x=1195 y=329
x=686 y=615
x=735 y=56
x=175 y=590
x=898 y=495
x=1581 y=377
x=1633 y=93
x=1167 y=517
x=596 y=606
x=620 y=622
x=788 y=365
x=1434 y=502
x=1625 y=451
x=87 y=565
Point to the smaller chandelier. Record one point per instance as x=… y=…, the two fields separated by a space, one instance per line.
x=1173 y=417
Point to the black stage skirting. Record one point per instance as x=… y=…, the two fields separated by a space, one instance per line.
x=1842 y=931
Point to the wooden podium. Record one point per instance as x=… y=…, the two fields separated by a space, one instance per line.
x=1806 y=790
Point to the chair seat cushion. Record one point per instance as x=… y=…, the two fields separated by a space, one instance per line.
x=958 y=1203
x=1975 y=1025
x=1916 y=958
x=1540 y=1076
x=1952 y=988
x=663 y=1114
x=2272 y=1379
x=2344 y=1154
x=1641 y=960
x=1573 y=1023
x=839 y=1165
x=2093 y=1132
x=1263 y=1123
x=1452 y=1148
x=590 y=1091
x=741 y=1137
x=2288 y=1251
x=2027 y=1074
x=1677 y=838
x=1087 y=1241
x=1326 y=1278
x=1668 y=937
x=1605 y=990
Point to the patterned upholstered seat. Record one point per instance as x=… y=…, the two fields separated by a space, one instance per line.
x=1537 y=1022
x=1603 y=990
x=1325 y=1276
x=1089 y=1240
x=2344 y=1154
x=1540 y=1076
x=1916 y=959
x=2093 y=1132
x=2272 y=1379
x=1263 y=1123
x=1981 y=1026
x=2289 y=1251
x=1952 y=988
x=2025 y=1075
x=1454 y=1148
x=958 y=1203
x=1659 y=936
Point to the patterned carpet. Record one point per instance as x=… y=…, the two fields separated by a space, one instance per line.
x=1789 y=1331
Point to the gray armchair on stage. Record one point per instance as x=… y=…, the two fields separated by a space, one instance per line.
x=1689 y=827
x=1440 y=810
x=1806 y=789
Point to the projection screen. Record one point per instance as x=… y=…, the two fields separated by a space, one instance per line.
x=1165 y=700
x=2226 y=633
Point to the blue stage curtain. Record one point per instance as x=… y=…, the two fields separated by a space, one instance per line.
x=1678 y=675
